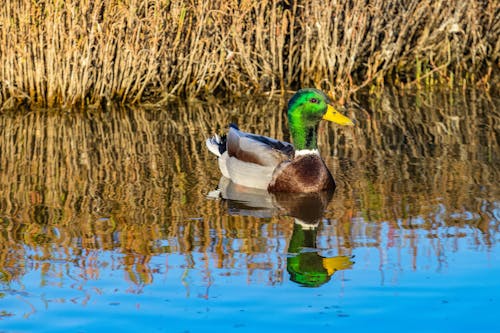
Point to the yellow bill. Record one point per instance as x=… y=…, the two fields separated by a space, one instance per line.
x=336 y=117
x=336 y=264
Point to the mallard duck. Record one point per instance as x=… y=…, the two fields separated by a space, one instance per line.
x=261 y=162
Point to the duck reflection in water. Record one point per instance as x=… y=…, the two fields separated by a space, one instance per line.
x=304 y=263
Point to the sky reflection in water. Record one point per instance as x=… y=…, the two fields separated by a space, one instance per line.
x=106 y=223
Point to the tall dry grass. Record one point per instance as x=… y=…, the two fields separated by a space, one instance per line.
x=86 y=52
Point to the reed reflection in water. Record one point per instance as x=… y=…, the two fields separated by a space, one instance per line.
x=122 y=195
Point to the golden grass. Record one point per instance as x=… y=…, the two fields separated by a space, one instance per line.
x=86 y=52
x=131 y=179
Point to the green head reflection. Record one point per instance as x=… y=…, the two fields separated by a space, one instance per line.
x=306 y=266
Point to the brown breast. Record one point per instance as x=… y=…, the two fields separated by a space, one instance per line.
x=304 y=174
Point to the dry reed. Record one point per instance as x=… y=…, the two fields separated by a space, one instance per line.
x=86 y=52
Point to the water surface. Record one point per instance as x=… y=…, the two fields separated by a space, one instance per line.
x=110 y=221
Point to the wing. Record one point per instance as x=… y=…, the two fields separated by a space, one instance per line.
x=257 y=149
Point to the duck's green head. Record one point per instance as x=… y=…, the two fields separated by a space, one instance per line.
x=305 y=110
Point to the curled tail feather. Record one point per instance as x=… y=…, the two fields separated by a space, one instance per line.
x=217 y=145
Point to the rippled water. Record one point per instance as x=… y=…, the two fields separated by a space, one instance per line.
x=111 y=220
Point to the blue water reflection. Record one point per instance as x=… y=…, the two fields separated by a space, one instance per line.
x=112 y=222
x=419 y=280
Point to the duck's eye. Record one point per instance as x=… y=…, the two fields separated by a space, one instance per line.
x=314 y=100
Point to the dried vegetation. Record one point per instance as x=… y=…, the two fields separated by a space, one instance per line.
x=87 y=52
